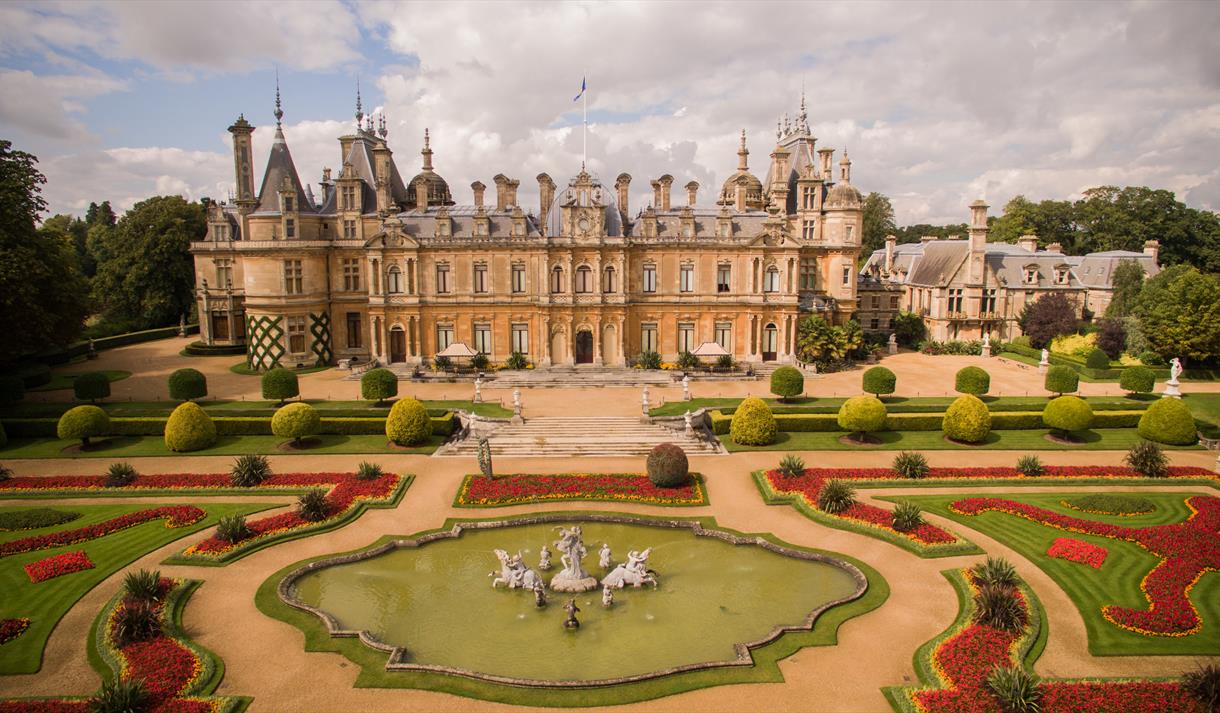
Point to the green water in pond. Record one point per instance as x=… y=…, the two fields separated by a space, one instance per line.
x=438 y=603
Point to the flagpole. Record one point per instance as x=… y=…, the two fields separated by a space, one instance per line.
x=584 y=133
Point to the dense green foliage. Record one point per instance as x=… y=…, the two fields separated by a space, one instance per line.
x=1112 y=339
x=1168 y=421
x=1097 y=359
x=967 y=420
x=686 y=360
x=280 y=384
x=648 y=360
x=378 y=385
x=34 y=518
x=836 y=496
x=516 y=360
x=999 y=608
x=879 y=381
x=120 y=474
x=121 y=695
x=91 y=386
x=142 y=585
x=668 y=466
x=250 y=470
x=792 y=466
x=1061 y=379
x=314 y=506
x=878 y=223
x=909 y=329
x=972 y=380
x=995 y=571
x=1147 y=459
x=1015 y=688
x=861 y=415
x=408 y=424
x=1051 y=315
x=907 y=516
x=296 y=421
x=819 y=343
x=189 y=428
x=910 y=464
x=1067 y=414
x=1126 y=281
x=1137 y=380
x=135 y=622
x=1203 y=684
x=786 y=382
x=187 y=385
x=1030 y=466
x=83 y=422
x=1179 y=314
x=752 y=424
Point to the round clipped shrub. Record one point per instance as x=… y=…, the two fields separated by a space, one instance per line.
x=1168 y=421
x=296 y=421
x=1137 y=380
x=786 y=382
x=280 y=384
x=972 y=380
x=1066 y=414
x=91 y=386
x=187 y=385
x=83 y=422
x=12 y=389
x=1097 y=359
x=861 y=415
x=967 y=420
x=408 y=424
x=752 y=424
x=189 y=428
x=1062 y=380
x=667 y=466
x=378 y=385
x=879 y=381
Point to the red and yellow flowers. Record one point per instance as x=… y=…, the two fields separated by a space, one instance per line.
x=1080 y=551
x=57 y=565
x=174 y=515
x=12 y=628
x=478 y=491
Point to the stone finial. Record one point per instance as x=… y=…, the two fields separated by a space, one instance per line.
x=279 y=111
x=359 y=107
x=427 y=151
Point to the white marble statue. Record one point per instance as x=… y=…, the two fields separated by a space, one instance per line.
x=893 y=343
x=573 y=577
x=544 y=558
x=690 y=425
x=634 y=572
x=514 y=574
x=478 y=389
x=1171 y=386
x=603 y=556
x=607 y=597
x=986 y=344
x=686 y=387
x=1046 y=360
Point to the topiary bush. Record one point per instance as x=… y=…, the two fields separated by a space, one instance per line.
x=792 y=466
x=120 y=474
x=1137 y=380
x=1147 y=459
x=12 y=390
x=378 y=385
x=1062 y=380
x=967 y=420
x=187 y=385
x=1168 y=421
x=280 y=384
x=368 y=471
x=786 y=382
x=83 y=422
x=1015 y=688
x=836 y=496
x=250 y=470
x=408 y=424
x=907 y=516
x=972 y=380
x=752 y=424
x=1097 y=359
x=189 y=428
x=295 y=421
x=314 y=506
x=1030 y=466
x=668 y=466
x=910 y=464
x=879 y=381
x=1067 y=414
x=91 y=386
x=861 y=415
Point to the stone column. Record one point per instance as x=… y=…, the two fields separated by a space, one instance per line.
x=206 y=314
x=544 y=353
x=597 y=341
x=228 y=316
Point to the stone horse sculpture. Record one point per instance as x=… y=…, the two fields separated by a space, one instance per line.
x=634 y=572
x=514 y=574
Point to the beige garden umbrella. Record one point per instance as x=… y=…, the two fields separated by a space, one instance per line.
x=457 y=350
x=710 y=349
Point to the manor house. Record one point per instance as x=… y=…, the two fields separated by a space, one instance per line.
x=374 y=266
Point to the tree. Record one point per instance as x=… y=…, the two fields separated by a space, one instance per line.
x=816 y=340
x=1179 y=314
x=75 y=232
x=1127 y=279
x=43 y=297
x=1112 y=338
x=909 y=329
x=878 y=223
x=145 y=273
x=1052 y=315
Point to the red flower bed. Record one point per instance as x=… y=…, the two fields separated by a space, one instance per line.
x=1078 y=551
x=514 y=489
x=174 y=515
x=809 y=484
x=12 y=628
x=1187 y=549
x=57 y=565
x=1052 y=472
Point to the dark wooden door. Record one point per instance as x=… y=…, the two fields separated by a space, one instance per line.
x=770 y=343
x=584 y=347
x=398 y=346
x=220 y=326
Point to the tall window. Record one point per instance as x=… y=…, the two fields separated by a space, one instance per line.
x=650 y=278
x=296 y=335
x=686 y=337
x=480 y=277
x=608 y=280
x=584 y=279
x=521 y=338
x=293 y=282
x=989 y=300
x=771 y=280
x=955 y=300
x=444 y=336
x=290 y=228
x=557 y=280
x=518 y=279
x=724 y=275
x=224 y=273
x=353 y=330
x=686 y=278
x=808 y=228
x=850 y=230
x=393 y=280
x=846 y=275
x=442 y=279
x=807 y=198
x=482 y=338
x=351 y=274
x=288 y=204
x=724 y=335
x=648 y=337
x=349 y=198
x=894 y=302
x=809 y=273
x=876 y=302
x=349 y=230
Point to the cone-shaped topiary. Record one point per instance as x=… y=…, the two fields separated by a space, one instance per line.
x=967 y=420
x=83 y=422
x=187 y=385
x=91 y=386
x=378 y=385
x=861 y=415
x=1137 y=380
x=1168 y=421
x=1066 y=414
x=189 y=428
x=972 y=380
x=879 y=381
x=786 y=382
x=668 y=466
x=408 y=424
x=295 y=421
x=753 y=424
x=280 y=384
x=1062 y=380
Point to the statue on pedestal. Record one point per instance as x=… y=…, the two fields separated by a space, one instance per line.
x=686 y=387
x=1171 y=386
x=544 y=559
x=573 y=577
x=607 y=597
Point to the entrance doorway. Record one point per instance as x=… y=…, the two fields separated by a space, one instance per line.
x=220 y=326
x=770 y=342
x=398 y=345
x=584 y=347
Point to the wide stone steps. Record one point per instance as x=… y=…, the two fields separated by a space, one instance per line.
x=578 y=377
x=577 y=436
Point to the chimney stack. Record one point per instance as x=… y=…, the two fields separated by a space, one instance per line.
x=1028 y=242
x=1152 y=248
x=477 y=187
x=825 y=155
x=692 y=189
x=925 y=239
x=891 y=242
x=739 y=196
x=501 y=182
x=510 y=193
x=666 y=181
x=978 y=240
x=1055 y=248
x=622 y=185
x=546 y=195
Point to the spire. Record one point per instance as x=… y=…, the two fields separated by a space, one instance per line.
x=381 y=130
x=802 y=121
x=359 y=108
x=427 y=152
x=279 y=112
x=743 y=153
x=778 y=131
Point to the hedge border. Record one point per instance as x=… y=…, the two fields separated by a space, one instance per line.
x=1000 y=421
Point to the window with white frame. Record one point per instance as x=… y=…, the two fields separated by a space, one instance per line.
x=808 y=228
x=1031 y=275
x=584 y=279
x=349 y=230
x=444 y=336
x=807 y=198
x=686 y=278
x=482 y=338
x=1061 y=275
x=521 y=338
x=846 y=275
x=648 y=337
x=686 y=337
x=650 y=278
x=518 y=278
x=393 y=280
x=724 y=276
x=296 y=335
x=293 y=280
x=771 y=279
x=480 y=277
x=351 y=274
x=724 y=335
x=442 y=279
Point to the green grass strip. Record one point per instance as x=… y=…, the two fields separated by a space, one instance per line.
x=140 y=446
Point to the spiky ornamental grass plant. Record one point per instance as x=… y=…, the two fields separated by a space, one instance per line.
x=124 y=695
x=836 y=496
x=792 y=466
x=1015 y=688
x=996 y=572
x=999 y=607
x=314 y=506
x=368 y=471
x=1203 y=684
x=137 y=622
x=142 y=586
x=910 y=464
x=1030 y=466
x=250 y=470
x=232 y=528
x=1147 y=459
x=907 y=516
x=120 y=474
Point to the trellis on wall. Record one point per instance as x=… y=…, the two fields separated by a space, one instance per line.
x=319 y=327
x=264 y=342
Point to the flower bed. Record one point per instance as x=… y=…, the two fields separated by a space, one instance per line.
x=1052 y=472
x=1080 y=551
x=12 y=628
x=174 y=515
x=479 y=491
x=57 y=565
x=1188 y=550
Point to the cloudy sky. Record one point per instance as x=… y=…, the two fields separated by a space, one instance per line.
x=938 y=104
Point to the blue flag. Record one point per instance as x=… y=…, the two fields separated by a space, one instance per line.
x=582 y=90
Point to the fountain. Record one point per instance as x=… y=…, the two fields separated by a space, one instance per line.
x=572 y=578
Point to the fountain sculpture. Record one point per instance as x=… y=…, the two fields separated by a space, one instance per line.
x=634 y=572
x=607 y=597
x=539 y=595
x=572 y=578
x=514 y=574
x=571 y=609
x=603 y=556
x=544 y=559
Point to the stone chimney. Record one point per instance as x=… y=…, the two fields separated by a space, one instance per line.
x=825 y=155
x=622 y=186
x=1028 y=242
x=925 y=239
x=1152 y=248
x=510 y=193
x=656 y=193
x=1055 y=248
x=692 y=190
x=978 y=240
x=546 y=195
x=891 y=242
x=665 y=182
x=501 y=182
x=477 y=188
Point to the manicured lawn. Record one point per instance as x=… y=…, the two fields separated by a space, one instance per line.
x=222 y=407
x=135 y=446
x=64 y=381
x=1104 y=439
x=45 y=603
x=1118 y=580
x=900 y=404
x=244 y=369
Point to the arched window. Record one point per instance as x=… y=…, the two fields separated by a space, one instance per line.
x=608 y=280
x=771 y=280
x=584 y=279
x=393 y=280
x=557 y=279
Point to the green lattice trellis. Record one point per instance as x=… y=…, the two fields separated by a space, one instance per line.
x=319 y=327
x=263 y=338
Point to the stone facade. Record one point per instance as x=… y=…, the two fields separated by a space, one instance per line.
x=376 y=267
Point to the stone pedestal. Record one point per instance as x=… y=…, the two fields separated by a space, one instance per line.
x=478 y=390
x=517 y=418
x=1171 y=389
x=892 y=346
x=986 y=351
x=572 y=585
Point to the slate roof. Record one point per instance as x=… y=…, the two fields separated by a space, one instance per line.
x=1097 y=269
x=935 y=262
x=279 y=165
x=419 y=224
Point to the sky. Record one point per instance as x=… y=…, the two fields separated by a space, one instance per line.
x=938 y=104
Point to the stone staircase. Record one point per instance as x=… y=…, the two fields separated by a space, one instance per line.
x=576 y=376
x=576 y=436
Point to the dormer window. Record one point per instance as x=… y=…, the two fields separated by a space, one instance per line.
x=688 y=230
x=349 y=198
x=726 y=229
x=1031 y=275
x=808 y=228
x=1061 y=275
x=288 y=207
